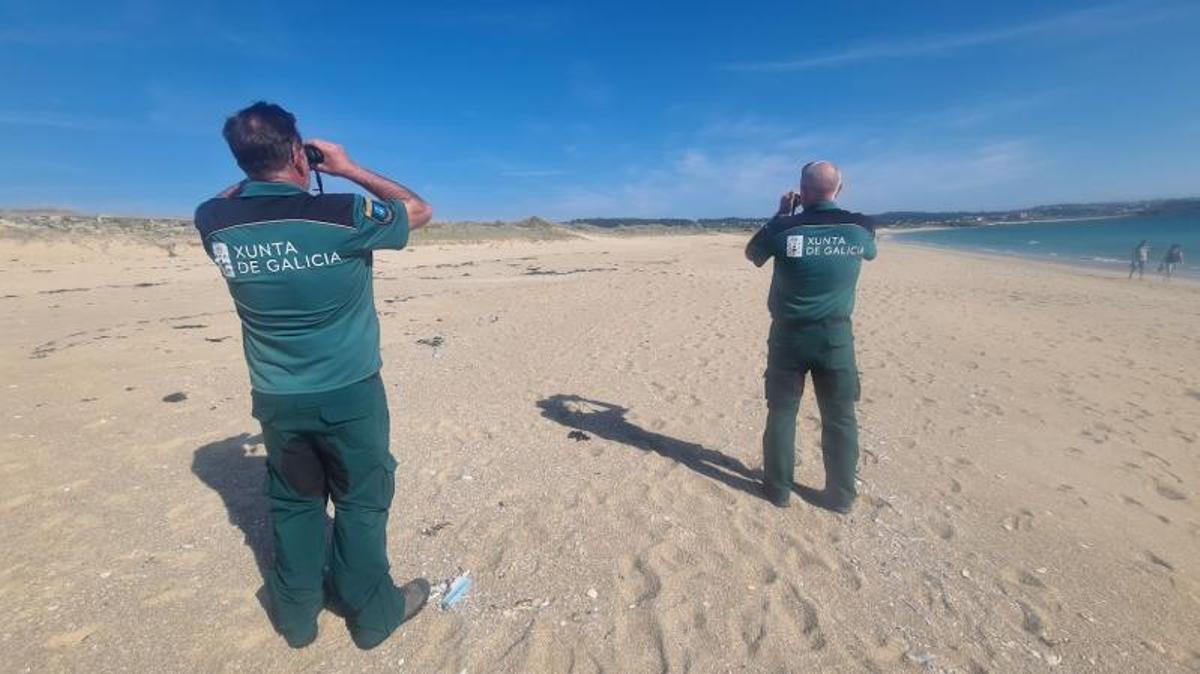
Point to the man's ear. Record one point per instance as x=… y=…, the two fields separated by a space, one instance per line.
x=300 y=160
x=838 y=193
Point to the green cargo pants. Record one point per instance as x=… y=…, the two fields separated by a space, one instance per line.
x=320 y=446
x=825 y=349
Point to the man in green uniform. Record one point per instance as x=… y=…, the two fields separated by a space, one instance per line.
x=818 y=253
x=299 y=269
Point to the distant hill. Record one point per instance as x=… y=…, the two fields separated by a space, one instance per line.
x=928 y=218
x=679 y=223
x=61 y=224
x=20 y=212
x=25 y=223
x=529 y=229
x=1049 y=212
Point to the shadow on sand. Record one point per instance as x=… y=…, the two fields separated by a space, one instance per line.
x=608 y=421
x=228 y=468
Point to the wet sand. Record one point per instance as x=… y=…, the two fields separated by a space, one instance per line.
x=577 y=424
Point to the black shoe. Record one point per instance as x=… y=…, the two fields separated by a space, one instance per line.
x=301 y=640
x=779 y=499
x=827 y=500
x=296 y=638
x=416 y=594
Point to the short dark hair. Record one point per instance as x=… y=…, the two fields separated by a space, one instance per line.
x=262 y=138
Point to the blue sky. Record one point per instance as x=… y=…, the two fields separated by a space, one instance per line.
x=505 y=110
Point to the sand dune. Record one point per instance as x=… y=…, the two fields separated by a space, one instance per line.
x=1029 y=471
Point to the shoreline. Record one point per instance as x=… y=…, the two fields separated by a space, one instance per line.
x=998 y=223
x=1113 y=269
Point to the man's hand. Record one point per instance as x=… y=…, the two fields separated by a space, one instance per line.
x=787 y=203
x=337 y=162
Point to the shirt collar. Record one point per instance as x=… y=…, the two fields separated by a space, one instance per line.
x=823 y=206
x=263 y=188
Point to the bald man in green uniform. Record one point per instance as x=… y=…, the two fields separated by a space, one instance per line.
x=298 y=267
x=818 y=253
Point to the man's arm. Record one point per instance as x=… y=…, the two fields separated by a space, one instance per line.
x=869 y=249
x=338 y=163
x=758 y=249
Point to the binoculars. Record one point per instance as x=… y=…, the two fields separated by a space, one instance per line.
x=314 y=154
x=315 y=157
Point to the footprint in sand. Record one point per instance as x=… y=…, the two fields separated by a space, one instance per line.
x=1152 y=455
x=1168 y=492
x=1035 y=623
x=943 y=530
x=1097 y=433
x=1158 y=561
x=1023 y=577
x=888 y=652
x=639 y=584
x=955 y=486
x=1020 y=521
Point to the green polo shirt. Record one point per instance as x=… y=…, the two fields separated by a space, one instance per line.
x=818 y=254
x=298 y=267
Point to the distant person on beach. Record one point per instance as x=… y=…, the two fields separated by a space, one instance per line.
x=298 y=267
x=1141 y=254
x=1171 y=260
x=818 y=254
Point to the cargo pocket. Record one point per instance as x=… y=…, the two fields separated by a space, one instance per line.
x=262 y=411
x=389 y=479
x=840 y=363
x=342 y=412
x=783 y=388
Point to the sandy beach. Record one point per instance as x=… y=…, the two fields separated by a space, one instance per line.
x=1031 y=455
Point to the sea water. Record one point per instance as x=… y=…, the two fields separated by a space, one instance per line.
x=1107 y=242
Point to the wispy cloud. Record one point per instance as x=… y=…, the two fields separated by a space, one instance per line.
x=976 y=176
x=702 y=182
x=1106 y=18
x=689 y=182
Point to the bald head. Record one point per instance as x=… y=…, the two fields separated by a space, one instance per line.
x=819 y=181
